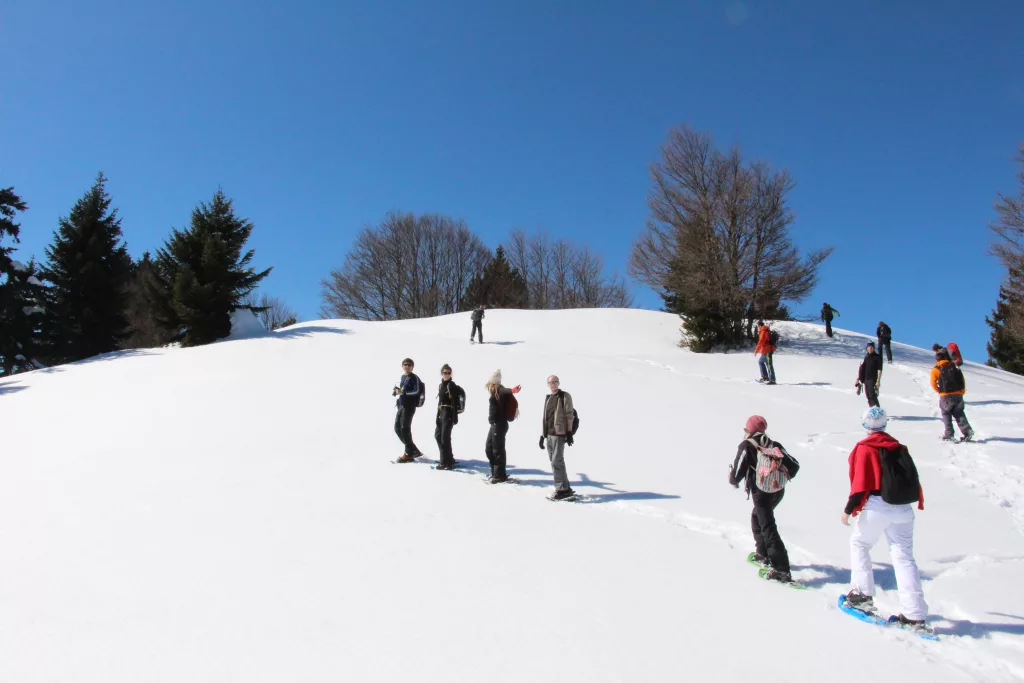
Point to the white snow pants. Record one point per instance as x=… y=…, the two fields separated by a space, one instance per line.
x=897 y=523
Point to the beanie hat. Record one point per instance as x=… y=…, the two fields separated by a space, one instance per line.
x=942 y=354
x=756 y=424
x=875 y=419
x=495 y=377
x=869 y=345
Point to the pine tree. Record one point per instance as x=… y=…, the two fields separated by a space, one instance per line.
x=144 y=321
x=1005 y=350
x=21 y=294
x=202 y=274
x=87 y=270
x=499 y=286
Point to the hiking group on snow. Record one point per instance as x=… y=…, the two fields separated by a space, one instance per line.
x=884 y=484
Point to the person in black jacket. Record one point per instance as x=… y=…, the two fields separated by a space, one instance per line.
x=884 y=335
x=769 y=549
x=478 y=323
x=408 y=390
x=827 y=313
x=451 y=400
x=497 y=417
x=869 y=375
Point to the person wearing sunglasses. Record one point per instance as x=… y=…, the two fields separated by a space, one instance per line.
x=451 y=400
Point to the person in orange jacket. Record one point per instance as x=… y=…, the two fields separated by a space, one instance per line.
x=765 y=350
x=948 y=382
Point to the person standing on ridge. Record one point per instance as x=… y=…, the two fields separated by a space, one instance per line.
x=556 y=433
x=827 y=313
x=948 y=382
x=451 y=400
x=954 y=354
x=765 y=350
x=478 y=323
x=874 y=517
x=498 y=418
x=409 y=391
x=869 y=375
x=767 y=467
x=884 y=335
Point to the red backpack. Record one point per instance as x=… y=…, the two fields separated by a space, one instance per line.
x=511 y=407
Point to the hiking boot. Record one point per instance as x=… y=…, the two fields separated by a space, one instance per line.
x=562 y=495
x=947 y=438
x=406 y=458
x=857 y=600
x=967 y=437
x=761 y=559
x=771 y=381
x=762 y=380
x=445 y=467
x=495 y=479
x=780 y=576
x=909 y=624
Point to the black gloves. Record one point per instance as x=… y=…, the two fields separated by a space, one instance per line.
x=568 y=440
x=540 y=444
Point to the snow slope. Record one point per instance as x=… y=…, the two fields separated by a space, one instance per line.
x=230 y=513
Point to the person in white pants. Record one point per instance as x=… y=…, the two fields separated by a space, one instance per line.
x=873 y=517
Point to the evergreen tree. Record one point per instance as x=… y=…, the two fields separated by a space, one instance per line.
x=87 y=268
x=1005 y=350
x=144 y=322
x=203 y=276
x=21 y=294
x=499 y=286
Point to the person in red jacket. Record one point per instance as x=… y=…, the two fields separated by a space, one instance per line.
x=765 y=350
x=874 y=517
x=954 y=354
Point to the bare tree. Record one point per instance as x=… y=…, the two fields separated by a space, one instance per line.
x=562 y=274
x=717 y=244
x=405 y=267
x=1009 y=249
x=271 y=311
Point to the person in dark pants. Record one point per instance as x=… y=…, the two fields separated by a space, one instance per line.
x=948 y=382
x=869 y=375
x=497 y=417
x=884 y=335
x=451 y=400
x=478 y=323
x=409 y=391
x=827 y=313
x=768 y=546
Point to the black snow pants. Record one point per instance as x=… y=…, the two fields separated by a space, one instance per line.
x=767 y=541
x=443 y=435
x=495 y=448
x=871 y=393
x=887 y=345
x=403 y=428
x=478 y=326
x=828 y=327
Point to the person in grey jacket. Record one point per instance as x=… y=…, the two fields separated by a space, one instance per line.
x=556 y=434
x=477 y=317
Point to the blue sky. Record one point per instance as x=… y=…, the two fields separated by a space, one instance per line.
x=898 y=120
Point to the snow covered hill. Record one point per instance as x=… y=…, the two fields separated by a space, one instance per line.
x=230 y=513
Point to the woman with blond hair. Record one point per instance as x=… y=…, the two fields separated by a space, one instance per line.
x=497 y=416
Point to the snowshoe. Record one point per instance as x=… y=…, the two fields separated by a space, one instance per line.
x=918 y=627
x=758 y=559
x=563 y=495
x=406 y=458
x=859 y=601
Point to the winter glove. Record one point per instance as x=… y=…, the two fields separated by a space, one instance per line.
x=540 y=444
x=568 y=440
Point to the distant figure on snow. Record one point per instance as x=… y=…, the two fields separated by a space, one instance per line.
x=765 y=350
x=556 y=434
x=827 y=312
x=869 y=375
x=409 y=391
x=870 y=480
x=767 y=467
x=478 y=323
x=884 y=334
x=948 y=382
x=451 y=400
x=501 y=404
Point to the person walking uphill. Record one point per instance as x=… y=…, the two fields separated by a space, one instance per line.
x=765 y=350
x=872 y=476
x=767 y=467
x=451 y=400
x=409 y=391
x=884 y=334
x=869 y=375
x=478 y=323
x=948 y=382
x=827 y=312
x=556 y=433
x=498 y=409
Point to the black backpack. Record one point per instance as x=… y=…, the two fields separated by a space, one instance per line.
x=951 y=379
x=575 y=415
x=900 y=483
x=773 y=337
